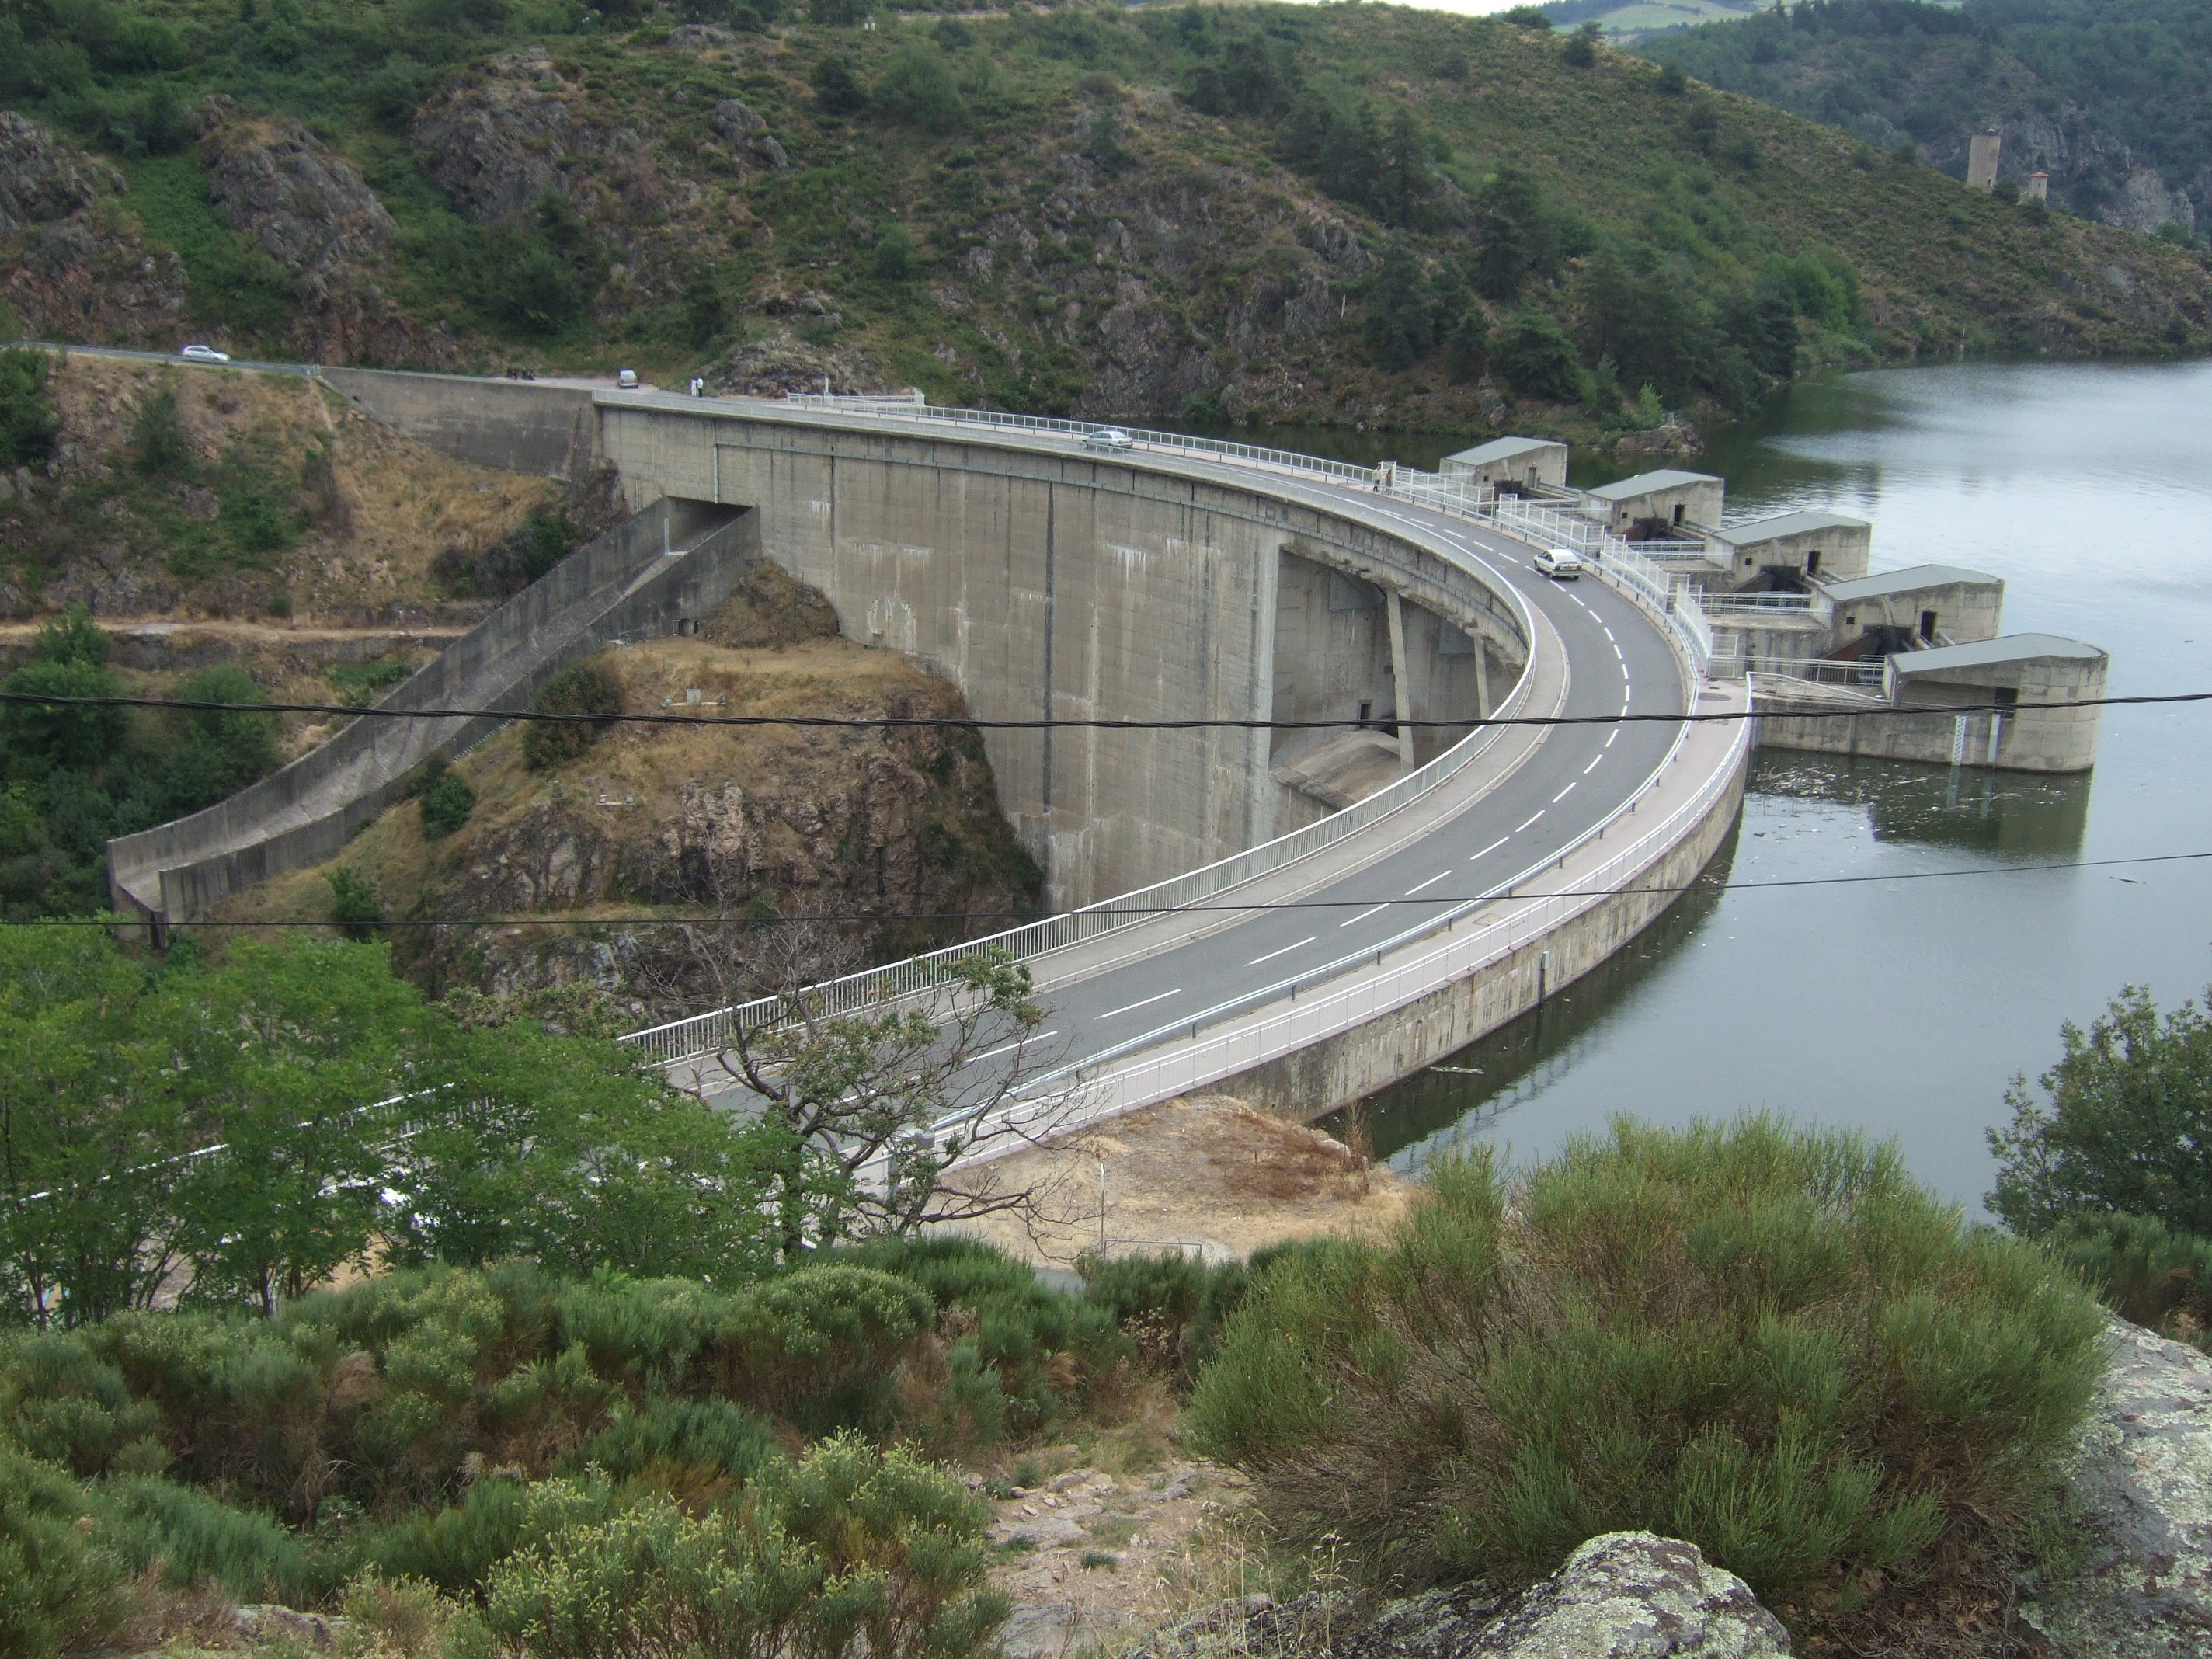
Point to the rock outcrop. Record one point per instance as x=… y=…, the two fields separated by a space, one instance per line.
x=1621 y=1595
x=71 y=263
x=2141 y=1488
x=314 y=215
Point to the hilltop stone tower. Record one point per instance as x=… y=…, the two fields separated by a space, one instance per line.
x=1982 y=160
x=2039 y=188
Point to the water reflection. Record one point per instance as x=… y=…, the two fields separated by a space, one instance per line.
x=2017 y=813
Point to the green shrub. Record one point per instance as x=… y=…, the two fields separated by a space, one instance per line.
x=197 y=1538
x=711 y=1435
x=60 y=1591
x=1768 y=1342
x=446 y=805
x=1170 y=1305
x=2142 y=1271
x=356 y=910
x=157 y=434
x=362 y=684
x=1537 y=358
x=592 y=687
x=852 y=1550
x=893 y=260
x=29 y=425
x=837 y=89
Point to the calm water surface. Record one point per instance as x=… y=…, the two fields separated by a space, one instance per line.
x=1898 y=1004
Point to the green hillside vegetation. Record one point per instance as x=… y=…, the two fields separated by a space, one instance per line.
x=1322 y=214
x=2138 y=70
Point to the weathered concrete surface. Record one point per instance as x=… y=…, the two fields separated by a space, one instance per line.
x=2142 y=1490
x=1051 y=583
x=673 y=561
x=544 y=428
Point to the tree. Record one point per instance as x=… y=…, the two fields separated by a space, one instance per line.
x=893 y=260
x=1515 y=235
x=29 y=425
x=157 y=434
x=837 y=89
x=1467 y=342
x=918 y=89
x=1399 y=320
x=1536 y=358
x=1648 y=322
x=1581 y=50
x=2124 y=1126
x=88 y=1152
x=877 y=1121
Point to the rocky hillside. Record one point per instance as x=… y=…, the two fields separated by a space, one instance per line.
x=1253 y=213
x=901 y=828
x=1899 y=72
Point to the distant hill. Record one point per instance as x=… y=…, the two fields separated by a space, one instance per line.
x=2113 y=100
x=1256 y=213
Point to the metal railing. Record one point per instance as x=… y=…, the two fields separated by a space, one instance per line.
x=1616 y=562
x=1170 y=1073
x=1789 y=605
x=1862 y=671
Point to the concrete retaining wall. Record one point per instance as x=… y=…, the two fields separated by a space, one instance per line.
x=676 y=560
x=1047 y=582
x=1350 y=1066
x=518 y=426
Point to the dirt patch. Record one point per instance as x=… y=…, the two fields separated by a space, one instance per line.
x=1208 y=1174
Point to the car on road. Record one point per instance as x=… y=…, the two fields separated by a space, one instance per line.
x=1111 y=438
x=203 y=354
x=626 y=378
x=1557 y=563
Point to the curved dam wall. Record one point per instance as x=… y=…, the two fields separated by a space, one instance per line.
x=1047 y=583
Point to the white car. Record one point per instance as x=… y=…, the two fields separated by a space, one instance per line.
x=626 y=378
x=1110 y=438
x=1557 y=563
x=203 y=354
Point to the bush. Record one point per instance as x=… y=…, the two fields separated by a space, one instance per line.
x=837 y=89
x=1536 y=358
x=853 y=1550
x=1581 y=50
x=583 y=688
x=2143 y=1271
x=197 y=1538
x=894 y=258
x=446 y=805
x=60 y=1593
x=157 y=434
x=29 y=425
x=1170 y=1305
x=2128 y=1118
x=357 y=911
x=918 y=89
x=1768 y=1342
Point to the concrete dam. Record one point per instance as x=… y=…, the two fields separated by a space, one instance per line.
x=1310 y=913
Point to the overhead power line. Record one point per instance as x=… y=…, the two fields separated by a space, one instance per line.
x=969 y=722
x=870 y=918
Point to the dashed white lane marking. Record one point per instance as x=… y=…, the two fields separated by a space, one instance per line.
x=1431 y=881
x=1623 y=668
x=1614 y=734
x=1608 y=633
x=1592 y=767
x=1146 y=1003
x=1007 y=1048
x=1565 y=793
x=1488 y=850
x=1285 y=952
x=1362 y=916
x=1539 y=813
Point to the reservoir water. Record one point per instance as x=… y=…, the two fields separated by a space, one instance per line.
x=1902 y=1000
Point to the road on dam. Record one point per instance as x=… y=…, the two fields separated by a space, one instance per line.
x=1619 y=660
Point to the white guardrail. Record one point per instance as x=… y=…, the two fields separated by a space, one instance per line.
x=1614 y=560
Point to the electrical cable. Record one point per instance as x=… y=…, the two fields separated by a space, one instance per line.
x=1110 y=909
x=969 y=722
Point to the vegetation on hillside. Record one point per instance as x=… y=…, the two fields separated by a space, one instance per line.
x=1771 y=1344
x=1341 y=213
x=2073 y=82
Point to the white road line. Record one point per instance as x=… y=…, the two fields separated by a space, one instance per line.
x=1431 y=881
x=1271 y=955
x=1146 y=1003
x=1362 y=916
x=993 y=1053
x=1616 y=732
x=1565 y=793
x=1519 y=828
x=1608 y=633
x=1623 y=668
x=1488 y=850
x=1592 y=767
